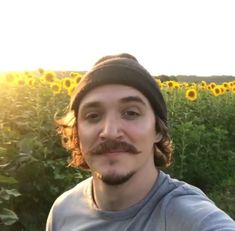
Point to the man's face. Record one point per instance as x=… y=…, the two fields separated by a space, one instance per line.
x=116 y=130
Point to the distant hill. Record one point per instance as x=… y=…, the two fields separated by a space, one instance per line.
x=218 y=79
x=193 y=78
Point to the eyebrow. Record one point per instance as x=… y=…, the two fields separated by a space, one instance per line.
x=91 y=104
x=133 y=99
x=122 y=100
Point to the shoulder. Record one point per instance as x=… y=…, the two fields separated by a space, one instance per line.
x=68 y=203
x=172 y=188
x=188 y=208
x=74 y=194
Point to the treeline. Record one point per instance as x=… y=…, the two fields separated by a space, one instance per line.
x=218 y=79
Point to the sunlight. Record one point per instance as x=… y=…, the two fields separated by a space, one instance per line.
x=168 y=37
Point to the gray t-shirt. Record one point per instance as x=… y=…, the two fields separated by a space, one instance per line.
x=171 y=205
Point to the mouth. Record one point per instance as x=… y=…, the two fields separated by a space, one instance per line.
x=114 y=152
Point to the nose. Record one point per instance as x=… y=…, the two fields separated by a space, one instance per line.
x=111 y=128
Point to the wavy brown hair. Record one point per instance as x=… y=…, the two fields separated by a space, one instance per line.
x=67 y=128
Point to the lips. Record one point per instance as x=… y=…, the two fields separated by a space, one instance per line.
x=114 y=152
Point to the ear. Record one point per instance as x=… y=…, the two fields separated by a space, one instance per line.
x=158 y=137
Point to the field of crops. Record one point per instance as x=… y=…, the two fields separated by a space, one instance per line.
x=33 y=164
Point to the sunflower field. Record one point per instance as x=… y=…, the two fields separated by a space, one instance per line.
x=33 y=164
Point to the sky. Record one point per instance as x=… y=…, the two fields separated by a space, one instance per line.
x=168 y=37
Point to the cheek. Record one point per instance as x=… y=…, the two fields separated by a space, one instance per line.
x=86 y=136
x=82 y=134
x=142 y=131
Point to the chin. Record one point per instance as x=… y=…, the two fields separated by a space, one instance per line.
x=115 y=178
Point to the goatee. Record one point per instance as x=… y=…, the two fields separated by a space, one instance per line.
x=115 y=179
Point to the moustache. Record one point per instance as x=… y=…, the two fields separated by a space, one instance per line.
x=112 y=145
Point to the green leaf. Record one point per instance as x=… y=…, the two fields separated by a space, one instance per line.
x=8 y=217
x=3 y=151
x=24 y=158
x=6 y=194
x=7 y=179
x=13 y=192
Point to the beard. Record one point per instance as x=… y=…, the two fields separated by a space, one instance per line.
x=115 y=179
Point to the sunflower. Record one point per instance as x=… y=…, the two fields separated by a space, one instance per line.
x=203 y=84
x=28 y=75
x=216 y=91
x=225 y=85
x=193 y=85
x=231 y=84
x=30 y=82
x=21 y=82
x=56 y=87
x=71 y=89
x=222 y=89
x=75 y=74
x=159 y=82
x=77 y=78
x=170 y=83
x=184 y=84
x=49 y=77
x=41 y=71
x=163 y=85
x=72 y=74
x=233 y=89
x=67 y=83
x=176 y=85
x=212 y=85
x=11 y=78
x=191 y=94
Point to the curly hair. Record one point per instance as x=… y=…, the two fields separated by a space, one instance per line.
x=67 y=128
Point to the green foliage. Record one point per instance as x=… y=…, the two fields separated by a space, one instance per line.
x=32 y=159
x=204 y=150
x=7 y=216
x=224 y=195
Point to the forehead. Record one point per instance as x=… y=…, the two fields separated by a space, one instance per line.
x=113 y=93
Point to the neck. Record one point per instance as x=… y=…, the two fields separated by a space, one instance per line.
x=119 y=197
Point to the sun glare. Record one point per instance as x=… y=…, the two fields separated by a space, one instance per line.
x=168 y=37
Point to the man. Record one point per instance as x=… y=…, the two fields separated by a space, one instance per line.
x=116 y=128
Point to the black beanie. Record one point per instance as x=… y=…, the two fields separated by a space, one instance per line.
x=121 y=69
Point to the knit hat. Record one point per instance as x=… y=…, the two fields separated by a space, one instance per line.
x=121 y=69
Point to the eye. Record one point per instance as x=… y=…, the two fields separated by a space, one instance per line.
x=130 y=114
x=92 y=117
